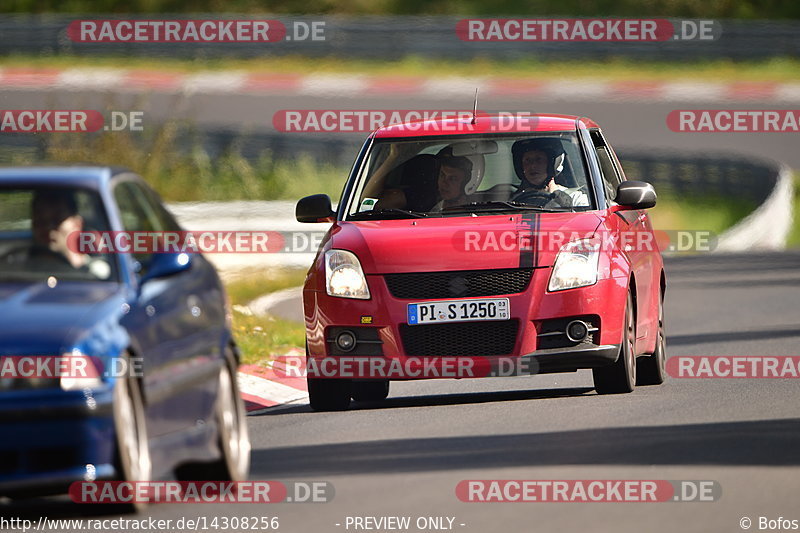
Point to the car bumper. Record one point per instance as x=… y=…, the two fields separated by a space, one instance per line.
x=547 y=361
x=533 y=342
x=58 y=438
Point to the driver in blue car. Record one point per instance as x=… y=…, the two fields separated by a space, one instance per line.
x=537 y=163
x=54 y=218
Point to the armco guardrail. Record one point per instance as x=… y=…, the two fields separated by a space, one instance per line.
x=763 y=183
x=766 y=184
x=384 y=37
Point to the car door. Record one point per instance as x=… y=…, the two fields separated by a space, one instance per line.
x=173 y=330
x=638 y=241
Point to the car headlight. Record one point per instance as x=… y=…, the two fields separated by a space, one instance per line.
x=70 y=371
x=343 y=275
x=81 y=372
x=576 y=266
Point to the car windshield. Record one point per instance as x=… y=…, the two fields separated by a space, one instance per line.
x=454 y=176
x=38 y=234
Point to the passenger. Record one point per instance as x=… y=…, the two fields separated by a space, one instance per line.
x=454 y=174
x=427 y=183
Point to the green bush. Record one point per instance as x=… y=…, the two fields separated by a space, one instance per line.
x=193 y=175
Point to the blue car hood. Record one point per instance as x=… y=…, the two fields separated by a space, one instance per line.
x=38 y=320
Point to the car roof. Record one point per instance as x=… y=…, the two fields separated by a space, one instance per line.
x=94 y=177
x=460 y=123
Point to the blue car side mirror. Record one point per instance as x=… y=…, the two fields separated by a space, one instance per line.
x=167 y=264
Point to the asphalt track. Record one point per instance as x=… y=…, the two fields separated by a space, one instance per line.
x=404 y=457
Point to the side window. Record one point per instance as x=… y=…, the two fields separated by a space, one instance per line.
x=136 y=215
x=165 y=218
x=611 y=178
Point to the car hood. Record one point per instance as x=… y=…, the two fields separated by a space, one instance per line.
x=40 y=320
x=461 y=243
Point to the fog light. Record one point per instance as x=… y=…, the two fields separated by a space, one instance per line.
x=346 y=341
x=577 y=331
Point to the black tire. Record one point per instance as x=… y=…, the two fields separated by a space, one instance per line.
x=133 y=450
x=652 y=370
x=233 y=438
x=370 y=391
x=329 y=394
x=620 y=377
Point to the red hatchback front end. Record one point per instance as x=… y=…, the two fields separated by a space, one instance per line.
x=497 y=275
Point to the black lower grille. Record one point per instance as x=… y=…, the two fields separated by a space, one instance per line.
x=552 y=333
x=368 y=342
x=460 y=339
x=459 y=283
x=10 y=461
x=46 y=459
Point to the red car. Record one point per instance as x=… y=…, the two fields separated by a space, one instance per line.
x=469 y=246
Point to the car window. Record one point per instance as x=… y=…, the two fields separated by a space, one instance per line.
x=165 y=218
x=41 y=228
x=136 y=215
x=610 y=175
x=610 y=178
x=443 y=176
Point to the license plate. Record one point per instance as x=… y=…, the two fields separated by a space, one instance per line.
x=458 y=311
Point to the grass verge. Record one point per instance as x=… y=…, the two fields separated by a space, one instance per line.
x=702 y=213
x=183 y=173
x=715 y=214
x=794 y=235
x=262 y=337
x=615 y=69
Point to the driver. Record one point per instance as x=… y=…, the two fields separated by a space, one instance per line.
x=537 y=163
x=54 y=216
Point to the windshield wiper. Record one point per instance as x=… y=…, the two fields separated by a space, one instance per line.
x=388 y=213
x=477 y=207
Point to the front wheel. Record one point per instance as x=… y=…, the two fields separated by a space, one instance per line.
x=652 y=370
x=620 y=377
x=232 y=434
x=329 y=394
x=370 y=391
x=133 y=450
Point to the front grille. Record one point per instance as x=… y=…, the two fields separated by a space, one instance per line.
x=459 y=283
x=47 y=459
x=460 y=338
x=39 y=460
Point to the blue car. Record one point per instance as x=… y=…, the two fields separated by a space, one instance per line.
x=156 y=326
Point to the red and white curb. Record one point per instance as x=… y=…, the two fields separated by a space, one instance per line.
x=329 y=85
x=261 y=388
